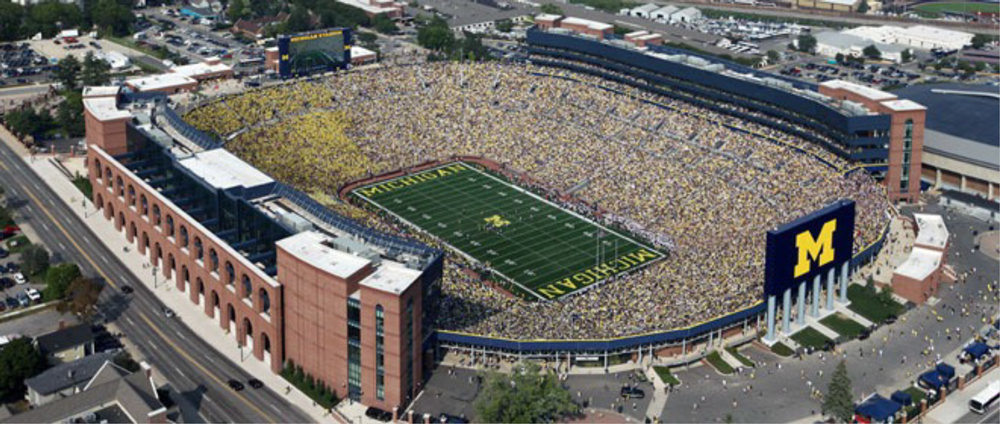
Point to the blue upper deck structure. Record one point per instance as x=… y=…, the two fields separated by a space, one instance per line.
x=847 y=129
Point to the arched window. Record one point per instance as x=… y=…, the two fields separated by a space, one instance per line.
x=247 y=287
x=121 y=186
x=213 y=261
x=156 y=215
x=230 y=273
x=184 y=237
x=144 y=204
x=170 y=226
x=199 y=250
x=107 y=176
x=265 y=301
x=131 y=195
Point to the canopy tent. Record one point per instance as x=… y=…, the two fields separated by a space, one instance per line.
x=877 y=408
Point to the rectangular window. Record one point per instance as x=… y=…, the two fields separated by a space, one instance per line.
x=353 y=349
x=408 y=348
x=379 y=353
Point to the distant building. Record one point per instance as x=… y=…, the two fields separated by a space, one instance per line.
x=362 y=56
x=67 y=344
x=663 y=13
x=919 y=37
x=834 y=5
x=686 y=15
x=832 y=43
x=255 y=28
x=644 y=11
x=644 y=38
x=65 y=379
x=919 y=277
x=113 y=395
x=598 y=30
x=373 y=8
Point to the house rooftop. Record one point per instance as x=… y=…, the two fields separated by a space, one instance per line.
x=66 y=338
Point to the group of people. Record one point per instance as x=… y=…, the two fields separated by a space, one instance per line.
x=711 y=184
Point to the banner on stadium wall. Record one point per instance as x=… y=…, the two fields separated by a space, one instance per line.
x=314 y=52
x=809 y=246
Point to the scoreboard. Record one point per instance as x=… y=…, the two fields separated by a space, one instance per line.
x=809 y=246
x=314 y=52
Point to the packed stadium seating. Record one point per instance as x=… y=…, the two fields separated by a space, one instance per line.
x=708 y=184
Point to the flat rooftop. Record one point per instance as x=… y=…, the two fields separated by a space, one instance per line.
x=101 y=91
x=903 y=105
x=311 y=247
x=105 y=109
x=971 y=117
x=391 y=277
x=224 y=170
x=867 y=92
x=931 y=231
x=160 y=82
x=594 y=25
x=920 y=264
x=200 y=69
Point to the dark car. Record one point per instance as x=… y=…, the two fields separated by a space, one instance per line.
x=446 y=418
x=378 y=414
x=235 y=385
x=255 y=383
x=12 y=267
x=6 y=283
x=4 y=253
x=891 y=319
x=865 y=334
x=127 y=289
x=12 y=302
x=632 y=392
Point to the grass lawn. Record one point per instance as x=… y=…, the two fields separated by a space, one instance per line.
x=716 y=360
x=743 y=359
x=666 y=376
x=958 y=7
x=917 y=395
x=869 y=307
x=843 y=325
x=781 y=349
x=83 y=184
x=809 y=337
x=522 y=238
x=21 y=243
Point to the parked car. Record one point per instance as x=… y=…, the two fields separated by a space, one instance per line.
x=169 y=313
x=378 y=414
x=33 y=294
x=630 y=392
x=255 y=383
x=6 y=283
x=127 y=289
x=3 y=253
x=235 y=385
x=20 y=279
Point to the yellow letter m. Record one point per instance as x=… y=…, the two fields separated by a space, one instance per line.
x=819 y=249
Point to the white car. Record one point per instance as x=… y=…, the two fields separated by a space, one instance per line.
x=33 y=294
x=19 y=278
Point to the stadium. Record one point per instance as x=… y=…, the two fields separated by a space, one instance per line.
x=545 y=181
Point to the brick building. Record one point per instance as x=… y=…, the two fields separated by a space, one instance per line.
x=289 y=279
x=919 y=277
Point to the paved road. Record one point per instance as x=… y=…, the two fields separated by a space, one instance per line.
x=971 y=417
x=24 y=89
x=193 y=368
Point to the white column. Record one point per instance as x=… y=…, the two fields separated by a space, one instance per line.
x=830 y=276
x=786 y=311
x=802 y=303
x=845 y=281
x=770 y=319
x=815 y=296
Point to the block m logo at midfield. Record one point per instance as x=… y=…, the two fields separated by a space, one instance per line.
x=819 y=249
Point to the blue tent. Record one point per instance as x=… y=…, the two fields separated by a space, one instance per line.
x=878 y=408
x=977 y=350
x=933 y=379
x=947 y=371
x=902 y=398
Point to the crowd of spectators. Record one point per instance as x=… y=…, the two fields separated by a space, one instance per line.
x=709 y=183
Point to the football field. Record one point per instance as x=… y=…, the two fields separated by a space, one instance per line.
x=547 y=251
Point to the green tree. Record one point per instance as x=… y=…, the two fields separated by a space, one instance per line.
x=49 y=16
x=366 y=37
x=773 y=57
x=525 y=395
x=840 y=58
x=68 y=72
x=505 y=25
x=980 y=40
x=906 y=55
x=885 y=296
x=980 y=66
x=872 y=52
x=94 y=71
x=436 y=35
x=11 y=17
x=81 y=297
x=806 y=43
x=19 y=360
x=237 y=10
x=298 y=20
x=384 y=24
x=863 y=7
x=58 y=279
x=124 y=359
x=111 y=16
x=551 y=9
x=69 y=114
x=34 y=259
x=839 y=402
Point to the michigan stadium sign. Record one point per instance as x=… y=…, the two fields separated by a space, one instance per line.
x=809 y=246
x=314 y=52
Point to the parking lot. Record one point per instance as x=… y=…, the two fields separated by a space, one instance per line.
x=21 y=64
x=15 y=286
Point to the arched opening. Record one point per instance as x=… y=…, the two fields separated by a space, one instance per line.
x=156 y=215
x=172 y=268
x=265 y=301
x=231 y=315
x=145 y=245
x=131 y=195
x=133 y=233
x=248 y=334
x=199 y=251
x=144 y=205
x=266 y=346
x=184 y=237
x=247 y=288
x=213 y=261
x=121 y=221
x=201 y=290
x=107 y=176
x=99 y=204
x=157 y=255
x=170 y=225
x=121 y=186
x=215 y=301
x=230 y=273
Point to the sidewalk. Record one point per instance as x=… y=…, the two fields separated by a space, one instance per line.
x=192 y=315
x=956 y=405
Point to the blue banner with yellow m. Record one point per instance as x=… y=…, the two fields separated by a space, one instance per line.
x=809 y=246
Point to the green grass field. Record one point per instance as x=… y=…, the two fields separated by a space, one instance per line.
x=868 y=305
x=718 y=363
x=809 y=337
x=532 y=243
x=958 y=7
x=843 y=325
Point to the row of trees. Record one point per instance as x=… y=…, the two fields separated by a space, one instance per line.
x=434 y=34
x=48 y=17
